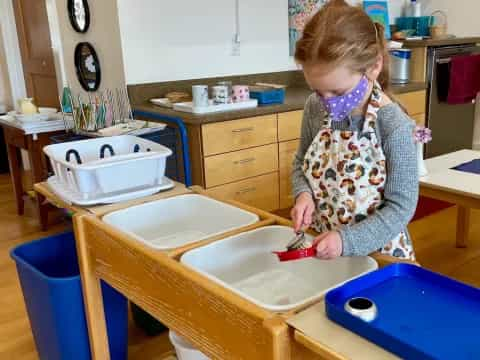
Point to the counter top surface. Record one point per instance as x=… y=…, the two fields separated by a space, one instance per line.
x=441 y=42
x=294 y=100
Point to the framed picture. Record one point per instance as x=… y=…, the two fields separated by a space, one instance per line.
x=378 y=12
x=299 y=12
x=79 y=14
x=88 y=67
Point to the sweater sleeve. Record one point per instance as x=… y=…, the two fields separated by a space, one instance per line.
x=299 y=181
x=401 y=196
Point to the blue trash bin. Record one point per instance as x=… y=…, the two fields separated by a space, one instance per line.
x=50 y=279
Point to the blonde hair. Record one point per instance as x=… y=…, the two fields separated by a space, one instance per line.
x=343 y=34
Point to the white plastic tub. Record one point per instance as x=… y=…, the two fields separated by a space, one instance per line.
x=179 y=220
x=136 y=164
x=184 y=350
x=245 y=264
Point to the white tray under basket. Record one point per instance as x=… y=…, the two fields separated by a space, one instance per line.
x=75 y=197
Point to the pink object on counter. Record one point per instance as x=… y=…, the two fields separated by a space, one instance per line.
x=464 y=79
x=240 y=93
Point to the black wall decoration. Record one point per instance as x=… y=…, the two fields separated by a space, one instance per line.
x=87 y=66
x=79 y=14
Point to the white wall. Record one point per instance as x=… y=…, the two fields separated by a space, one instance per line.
x=5 y=91
x=173 y=40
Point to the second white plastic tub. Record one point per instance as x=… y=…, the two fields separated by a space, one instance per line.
x=179 y=220
x=245 y=264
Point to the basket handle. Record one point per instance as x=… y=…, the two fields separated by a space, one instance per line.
x=432 y=17
x=103 y=148
x=75 y=153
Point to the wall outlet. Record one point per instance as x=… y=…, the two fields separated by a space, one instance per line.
x=236 y=46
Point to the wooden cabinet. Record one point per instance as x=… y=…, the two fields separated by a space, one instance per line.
x=239 y=134
x=289 y=125
x=261 y=191
x=286 y=154
x=239 y=165
x=415 y=103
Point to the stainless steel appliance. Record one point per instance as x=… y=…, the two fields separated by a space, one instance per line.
x=452 y=125
x=400 y=65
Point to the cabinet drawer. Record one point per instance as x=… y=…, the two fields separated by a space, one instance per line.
x=419 y=119
x=238 y=165
x=286 y=154
x=289 y=125
x=415 y=102
x=240 y=134
x=260 y=192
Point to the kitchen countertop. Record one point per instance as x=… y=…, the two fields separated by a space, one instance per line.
x=295 y=98
x=441 y=42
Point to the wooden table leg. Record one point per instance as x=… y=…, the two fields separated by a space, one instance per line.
x=43 y=209
x=38 y=166
x=463 y=226
x=92 y=296
x=16 y=175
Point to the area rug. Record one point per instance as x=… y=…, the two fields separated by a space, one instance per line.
x=427 y=206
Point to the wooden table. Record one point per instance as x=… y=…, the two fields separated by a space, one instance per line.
x=217 y=321
x=456 y=187
x=47 y=197
x=17 y=139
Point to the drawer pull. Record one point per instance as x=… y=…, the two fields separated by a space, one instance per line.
x=247 y=190
x=251 y=128
x=244 y=161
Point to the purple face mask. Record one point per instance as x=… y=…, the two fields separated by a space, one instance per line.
x=339 y=107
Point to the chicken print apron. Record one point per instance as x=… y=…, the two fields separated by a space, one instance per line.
x=347 y=173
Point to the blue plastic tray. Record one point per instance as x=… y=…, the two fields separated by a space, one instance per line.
x=470 y=167
x=421 y=314
x=268 y=96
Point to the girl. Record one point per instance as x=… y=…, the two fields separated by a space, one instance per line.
x=355 y=177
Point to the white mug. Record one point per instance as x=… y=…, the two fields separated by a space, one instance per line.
x=200 y=95
x=220 y=94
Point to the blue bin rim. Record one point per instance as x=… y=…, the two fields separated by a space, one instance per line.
x=18 y=259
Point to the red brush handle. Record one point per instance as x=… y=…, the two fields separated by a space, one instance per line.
x=296 y=254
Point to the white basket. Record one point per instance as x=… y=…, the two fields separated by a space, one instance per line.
x=135 y=164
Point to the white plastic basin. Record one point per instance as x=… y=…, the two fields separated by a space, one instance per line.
x=184 y=350
x=180 y=220
x=245 y=264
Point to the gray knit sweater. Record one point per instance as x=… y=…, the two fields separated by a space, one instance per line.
x=395 y=133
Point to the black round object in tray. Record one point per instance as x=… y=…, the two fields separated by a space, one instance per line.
x=79 y=14
x=88 y=66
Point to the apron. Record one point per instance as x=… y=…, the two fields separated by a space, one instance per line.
x=347 y=173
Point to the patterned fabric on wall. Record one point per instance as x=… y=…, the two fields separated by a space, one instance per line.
x=299 y=11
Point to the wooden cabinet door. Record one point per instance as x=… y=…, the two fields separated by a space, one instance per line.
x=239 y=134
x=286 y=153
x=415 y=102
x=36 y=49
x=289 y=125
x=260 y=192
x=238 y=165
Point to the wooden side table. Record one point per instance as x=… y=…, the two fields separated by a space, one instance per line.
x=15 y=140
x=456 y=187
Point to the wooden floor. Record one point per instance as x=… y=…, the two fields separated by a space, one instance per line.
x=434 y=239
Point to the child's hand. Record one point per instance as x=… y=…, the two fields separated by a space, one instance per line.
x=303 y=211
x=329 y=245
